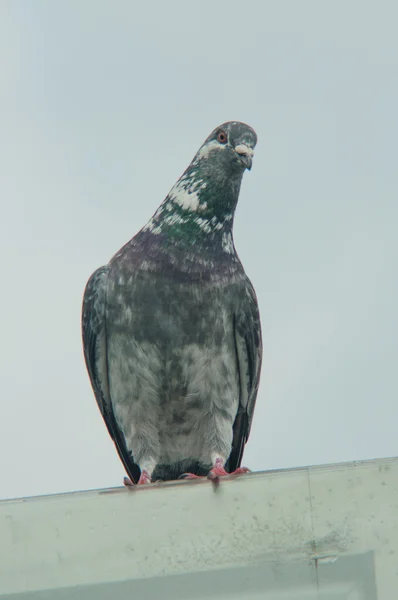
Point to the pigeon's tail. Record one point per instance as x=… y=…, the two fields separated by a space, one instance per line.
x=175 y=470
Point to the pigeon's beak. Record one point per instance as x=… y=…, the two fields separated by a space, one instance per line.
x=245 y=154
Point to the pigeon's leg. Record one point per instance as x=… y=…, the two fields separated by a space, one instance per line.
x=142 y=441
x=147 y=467
x=144 y=478
x=218 y=469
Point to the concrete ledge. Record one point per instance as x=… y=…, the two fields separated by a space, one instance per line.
x=327 y=532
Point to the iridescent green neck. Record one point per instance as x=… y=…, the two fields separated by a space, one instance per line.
x=199 y=209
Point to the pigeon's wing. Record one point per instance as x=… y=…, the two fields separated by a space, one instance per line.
x=95 y=354
x=249 y=353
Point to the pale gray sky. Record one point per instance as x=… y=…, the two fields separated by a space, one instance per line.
x=102 y=106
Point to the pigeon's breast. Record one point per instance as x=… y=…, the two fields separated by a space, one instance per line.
x=172 y=357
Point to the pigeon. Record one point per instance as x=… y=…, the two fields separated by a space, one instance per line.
x=171 y=327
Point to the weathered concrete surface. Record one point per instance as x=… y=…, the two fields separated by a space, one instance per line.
x=327 y=533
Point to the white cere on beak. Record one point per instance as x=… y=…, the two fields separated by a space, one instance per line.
x=244 y=150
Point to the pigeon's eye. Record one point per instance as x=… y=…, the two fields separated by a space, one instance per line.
x=222 y=137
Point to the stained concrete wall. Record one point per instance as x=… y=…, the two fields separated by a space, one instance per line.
x=327 y=533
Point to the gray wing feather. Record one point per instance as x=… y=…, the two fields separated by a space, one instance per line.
x=249 y=353
x=95 y=354
x=94 y=336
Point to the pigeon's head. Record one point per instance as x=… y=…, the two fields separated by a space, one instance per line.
x=202 y=203
x=229 y=148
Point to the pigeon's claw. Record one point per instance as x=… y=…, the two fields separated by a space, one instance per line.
x=240 y=471
x=219 y=471
x=127 y=482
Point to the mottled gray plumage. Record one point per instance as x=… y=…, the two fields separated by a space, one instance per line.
x=171 y=328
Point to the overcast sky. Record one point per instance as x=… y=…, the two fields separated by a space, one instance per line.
x=102 y=106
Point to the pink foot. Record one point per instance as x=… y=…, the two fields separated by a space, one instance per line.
x=144 y=479
x=240 y=471
x=219 y=471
